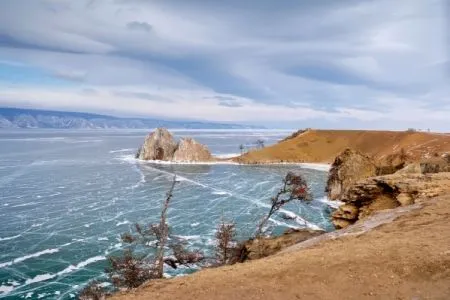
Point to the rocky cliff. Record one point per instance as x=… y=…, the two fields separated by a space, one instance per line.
x=348 y=167
x=161 y=145
x=190 y=150
x=385 y=192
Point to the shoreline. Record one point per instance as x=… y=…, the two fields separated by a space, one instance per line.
x=313 y=166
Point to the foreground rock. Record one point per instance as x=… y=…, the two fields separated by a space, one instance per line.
x=385 y=192
x=190 y=150
x=349 y=167
x=432 y=165
x=161 y=145
x=263 y=247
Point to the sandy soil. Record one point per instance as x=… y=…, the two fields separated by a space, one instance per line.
x=324 y=145
x=408 y=258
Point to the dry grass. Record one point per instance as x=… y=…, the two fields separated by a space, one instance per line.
x=323 y=146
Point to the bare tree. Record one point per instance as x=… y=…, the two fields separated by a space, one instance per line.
x=131 y=270
x=294 y=187
x=260 y=143
x=163 y=232
x=241 y=148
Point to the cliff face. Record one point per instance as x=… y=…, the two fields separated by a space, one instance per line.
x=384 y=192
x=348 y=167
x=189 y=150
x=161 y=145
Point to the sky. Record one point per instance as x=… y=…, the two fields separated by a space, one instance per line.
x=376 y=64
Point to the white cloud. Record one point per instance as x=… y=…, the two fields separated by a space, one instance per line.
x=339 y=59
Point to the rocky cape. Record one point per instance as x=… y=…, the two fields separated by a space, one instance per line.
x=161 y=145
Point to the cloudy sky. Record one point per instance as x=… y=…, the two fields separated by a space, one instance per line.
x=303 y=63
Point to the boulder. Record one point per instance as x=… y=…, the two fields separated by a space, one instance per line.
x=347 y=212
x=189 y=150
x=159 y=145
x=348 y=167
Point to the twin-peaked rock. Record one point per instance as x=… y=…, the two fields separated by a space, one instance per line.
x=161 y=145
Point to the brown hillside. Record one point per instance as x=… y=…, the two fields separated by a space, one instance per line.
x=322 y=146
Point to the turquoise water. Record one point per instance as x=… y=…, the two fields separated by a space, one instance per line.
x=66 y=196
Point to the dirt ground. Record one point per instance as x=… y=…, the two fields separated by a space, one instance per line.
x=408 y=258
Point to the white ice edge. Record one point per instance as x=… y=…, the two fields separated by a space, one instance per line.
x=313 y=166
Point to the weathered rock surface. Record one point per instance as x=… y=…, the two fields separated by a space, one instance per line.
x=386 y=192
x=263 y=247
x=349 y=167
x=432 y=165
x=189 y=150
x=159 y=145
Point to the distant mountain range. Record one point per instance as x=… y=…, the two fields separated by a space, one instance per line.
x=32 y=118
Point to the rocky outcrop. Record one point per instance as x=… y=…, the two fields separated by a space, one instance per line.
x=161 y=145
x=266 y=246
x=432 y=165
x=348 y=167
x=189 y=150
x=385 y=192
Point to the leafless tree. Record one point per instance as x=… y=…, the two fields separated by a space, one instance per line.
x=131 y=270
x=241 y=148
x=259 y=143
x=294 y=187
x=162 y=232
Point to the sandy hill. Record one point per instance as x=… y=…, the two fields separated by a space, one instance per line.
x=324 y=145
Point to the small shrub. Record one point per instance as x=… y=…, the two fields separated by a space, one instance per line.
x=93 y=291
x=226 y=243
x=130 y=271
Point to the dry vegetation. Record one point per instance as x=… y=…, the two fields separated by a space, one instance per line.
x=322 y=146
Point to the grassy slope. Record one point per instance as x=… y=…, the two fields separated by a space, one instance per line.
x=322 y=146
